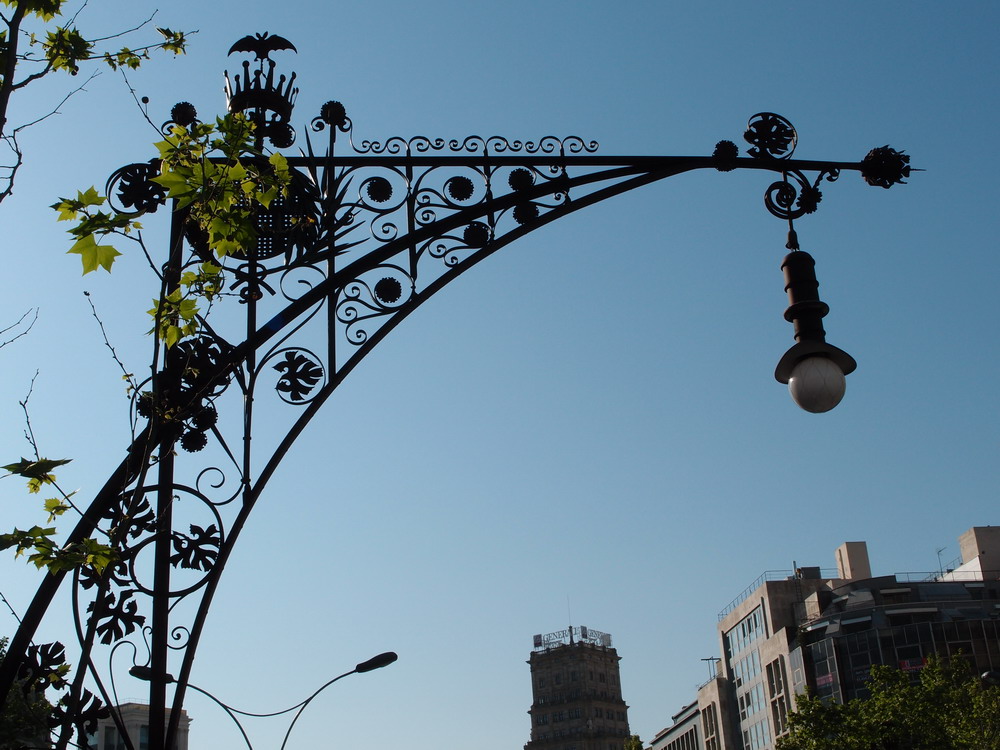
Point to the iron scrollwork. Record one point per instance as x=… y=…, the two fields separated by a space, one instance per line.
x=774 y=138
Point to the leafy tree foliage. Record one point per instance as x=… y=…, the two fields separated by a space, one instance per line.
x=25 y=719
x=218 y=180
x=40 y=38
x=944 y=707
x=633 y=742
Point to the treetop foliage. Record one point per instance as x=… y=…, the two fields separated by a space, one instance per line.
x=944 y=707
x=42 y=37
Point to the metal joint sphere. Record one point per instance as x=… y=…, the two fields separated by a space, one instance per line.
x=368 y=231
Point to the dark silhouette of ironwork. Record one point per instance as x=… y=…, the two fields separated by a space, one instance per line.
x=368 y=232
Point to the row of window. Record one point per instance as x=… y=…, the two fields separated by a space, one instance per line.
x=576 y=694
x=757 y=736
x=710 y=725
x=745 y=632
x=114 y=741
x=687 y=741
x=906 y=647
x=746 y=669
x=558 y=678
x=751 y=702
x=777 y=679
x=577 y=713
x=556 y=733
x=556 y=716
x=608 y=713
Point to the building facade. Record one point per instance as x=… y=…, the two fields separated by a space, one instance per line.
x=576 y=692
x=135 y=720
x=823 y=633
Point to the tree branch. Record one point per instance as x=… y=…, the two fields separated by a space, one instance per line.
x=6 y=85
x=33 y=312
x=10 y=607
x=126 y=31
x=127 y=376
x=55 y=110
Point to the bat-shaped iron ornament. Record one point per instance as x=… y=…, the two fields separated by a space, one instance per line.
x=262 y=45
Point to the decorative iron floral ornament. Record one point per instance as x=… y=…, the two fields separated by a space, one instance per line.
x=268 y=102
x=770 y=136
x=368 y=232
x=885 y=167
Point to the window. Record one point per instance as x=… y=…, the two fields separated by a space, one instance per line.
x=710 y=724
x=112 y=740
x=776 y=680
x=745 y=632
x=757 y=736
x=751 y=702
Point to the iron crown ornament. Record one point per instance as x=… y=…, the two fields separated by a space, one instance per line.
x=366 y=232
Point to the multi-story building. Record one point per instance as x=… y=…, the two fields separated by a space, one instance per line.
x=135 y=720
x=807 y=630
x=576 y=692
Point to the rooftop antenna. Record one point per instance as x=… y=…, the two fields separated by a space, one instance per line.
x=940 y=564
x=712 y=662
x=569 y=615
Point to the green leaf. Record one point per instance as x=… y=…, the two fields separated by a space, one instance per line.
x=172 y=335
x=35 y=469
x=33 y=538
x=68 y=210
x=90 y=197
x=64 y=48
x=55 y=507
x=280 y=164
x=174 y=41
x=237 y=172
x=94 y=255
x=176 y=184
x=46 y=10
x=266 y=197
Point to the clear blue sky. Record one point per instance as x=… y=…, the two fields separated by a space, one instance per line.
x=586 y=425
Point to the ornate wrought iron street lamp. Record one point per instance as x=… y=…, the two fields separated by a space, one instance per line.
x=368 y=232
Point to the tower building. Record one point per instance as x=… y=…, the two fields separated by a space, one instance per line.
x=576 y=692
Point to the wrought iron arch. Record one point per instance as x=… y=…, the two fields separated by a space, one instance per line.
x=363 y=239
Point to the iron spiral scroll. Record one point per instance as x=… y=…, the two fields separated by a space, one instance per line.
x=360 y=240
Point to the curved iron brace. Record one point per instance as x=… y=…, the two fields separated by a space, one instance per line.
x=669 y=166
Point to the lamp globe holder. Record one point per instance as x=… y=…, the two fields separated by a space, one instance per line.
x=813 y=369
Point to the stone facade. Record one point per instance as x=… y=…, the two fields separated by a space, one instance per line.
x=135 y=719
x=576 y=694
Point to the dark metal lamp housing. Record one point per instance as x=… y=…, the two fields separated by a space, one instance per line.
x=813 y=369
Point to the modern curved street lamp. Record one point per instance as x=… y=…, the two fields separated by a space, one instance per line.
x=376 y=662
x=368 y=232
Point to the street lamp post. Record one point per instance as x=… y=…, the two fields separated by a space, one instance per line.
x=368 y=232
x=376 y=662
